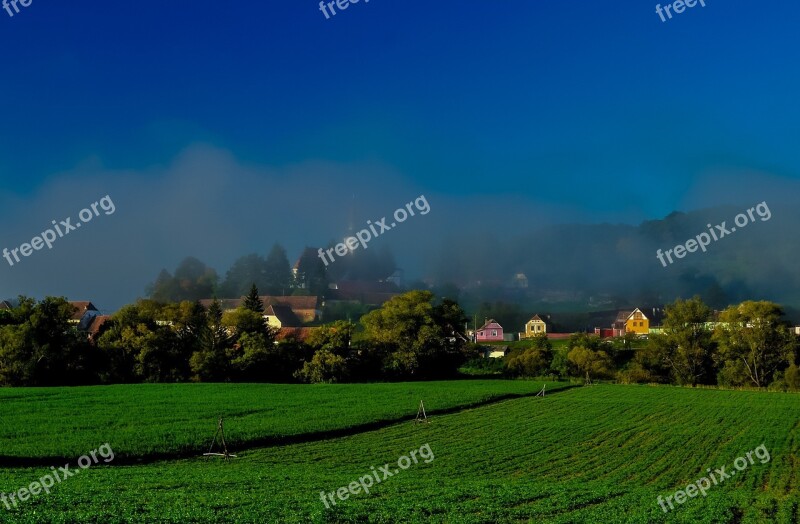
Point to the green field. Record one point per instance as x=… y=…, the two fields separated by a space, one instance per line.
x=165 y=420
x=590 y=454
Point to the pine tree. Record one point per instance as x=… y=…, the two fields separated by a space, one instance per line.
x=214 y=313
x=252 y=301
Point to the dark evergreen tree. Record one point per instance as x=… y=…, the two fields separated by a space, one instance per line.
x=253 y=301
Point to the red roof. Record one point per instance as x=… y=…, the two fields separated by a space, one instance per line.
x=81 y=307
x=490 y=324
x=99 y=320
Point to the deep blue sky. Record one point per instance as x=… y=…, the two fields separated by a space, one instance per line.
x=597 y=110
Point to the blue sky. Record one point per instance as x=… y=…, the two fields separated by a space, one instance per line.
x=590 y=111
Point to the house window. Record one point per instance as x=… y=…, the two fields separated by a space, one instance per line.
x=494 y=333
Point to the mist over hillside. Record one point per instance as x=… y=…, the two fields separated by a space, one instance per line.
x=577 y=262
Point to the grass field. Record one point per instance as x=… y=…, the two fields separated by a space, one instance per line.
x=165 y=420
x=597 y=454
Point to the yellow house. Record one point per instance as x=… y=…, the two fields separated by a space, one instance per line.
x=281 y=317
x=535 y=326
x=637 y=323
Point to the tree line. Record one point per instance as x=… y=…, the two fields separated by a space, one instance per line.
x=746 y=345
x=413 y=336
x=194 y=280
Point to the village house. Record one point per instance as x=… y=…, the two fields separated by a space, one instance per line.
x=281 y=317
x=627 y=321
x=535 y=326
x=631 y=322
x=490 y=331
x=82 y=309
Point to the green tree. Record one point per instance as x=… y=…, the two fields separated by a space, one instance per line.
x=324 y=367
x=252 y=356
x=532 y=362
x=211 y=362
x=253 y=301
x=406 y=320
x=589 y=363
x=686 y=347
x=406 y=324
x=148 y=342
x=243 y=320
x=335 y=337
x=754 y=343
x=39 y=347
x=420 y=339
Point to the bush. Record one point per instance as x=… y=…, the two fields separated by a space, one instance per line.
x=326 y=367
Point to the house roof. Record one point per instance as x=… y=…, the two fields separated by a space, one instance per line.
x=640 y=311
x=284 y=314
x=371 y=293
x=87 y=319
x=81 y=307
x=99 y=320
x=5 y=304
x=623 y=315
x=491 y=323
x=296 y=303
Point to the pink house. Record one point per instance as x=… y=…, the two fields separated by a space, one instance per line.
x=491 y=331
